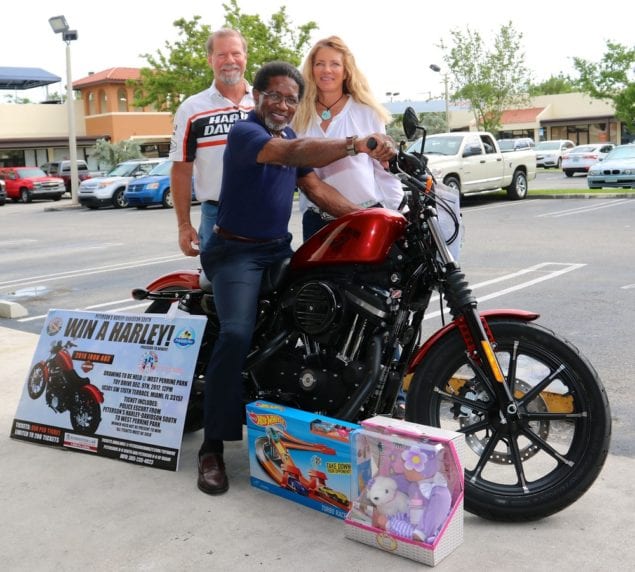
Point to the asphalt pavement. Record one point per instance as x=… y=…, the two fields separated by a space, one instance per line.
x=67 y=511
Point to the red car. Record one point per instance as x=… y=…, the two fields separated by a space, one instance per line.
x=28 y=183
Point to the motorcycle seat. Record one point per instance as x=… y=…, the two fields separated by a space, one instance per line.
x=272 y=277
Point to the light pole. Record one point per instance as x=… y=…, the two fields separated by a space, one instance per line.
x=60 y=26
x=392 y=94
x=436 y=68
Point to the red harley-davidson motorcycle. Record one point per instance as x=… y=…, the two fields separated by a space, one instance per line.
x=66 y=390
x=339 y=331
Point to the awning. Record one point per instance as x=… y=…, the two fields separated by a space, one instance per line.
x=25 y=78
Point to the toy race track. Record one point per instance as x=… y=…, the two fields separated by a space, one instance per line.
x=273 y=455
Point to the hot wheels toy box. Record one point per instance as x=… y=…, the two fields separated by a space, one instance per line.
x=407 y=489
x=300 y=456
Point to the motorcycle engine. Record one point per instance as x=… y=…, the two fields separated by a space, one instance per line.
x=321 y=307
x=325 y=362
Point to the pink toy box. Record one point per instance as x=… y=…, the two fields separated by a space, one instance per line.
x=300 y=456
x=407 y=489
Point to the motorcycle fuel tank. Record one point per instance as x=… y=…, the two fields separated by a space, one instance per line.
x=362 y=237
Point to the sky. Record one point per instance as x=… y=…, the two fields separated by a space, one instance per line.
x=393 y=43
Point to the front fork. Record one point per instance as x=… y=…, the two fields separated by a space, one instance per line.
x=478 y=341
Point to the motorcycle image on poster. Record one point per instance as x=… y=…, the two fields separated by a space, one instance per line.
x=65 y=389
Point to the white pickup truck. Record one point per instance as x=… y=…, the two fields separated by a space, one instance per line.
x=471 y=162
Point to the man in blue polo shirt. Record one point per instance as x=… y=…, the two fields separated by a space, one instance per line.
x=262 y=165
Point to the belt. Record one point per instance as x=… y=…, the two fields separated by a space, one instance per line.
x=231 y=236
x=213 y=203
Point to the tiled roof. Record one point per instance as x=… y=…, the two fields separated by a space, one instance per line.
x=111 y=75
x=520 y=115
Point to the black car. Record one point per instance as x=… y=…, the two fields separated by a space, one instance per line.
x=3 y=193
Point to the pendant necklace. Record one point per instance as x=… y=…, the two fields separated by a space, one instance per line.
x=326 y=114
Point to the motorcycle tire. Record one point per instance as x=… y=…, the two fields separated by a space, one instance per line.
x=85 y=413
x=194 y=416
x=545 y=461
x=36 y=382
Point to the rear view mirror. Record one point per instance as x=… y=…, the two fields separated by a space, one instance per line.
x=410 y=122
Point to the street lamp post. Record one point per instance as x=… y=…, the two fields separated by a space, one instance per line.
x=392 y=94
x=60 y=26
x=436 y=68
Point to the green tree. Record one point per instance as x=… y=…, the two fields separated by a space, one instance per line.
x=110 y=154
x=490 y=79
x=181 y=68
x=553 y=86
x=610 y=79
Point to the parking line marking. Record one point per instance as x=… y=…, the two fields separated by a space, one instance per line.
x=549 y=276
x=88 y=271
x=583 y=209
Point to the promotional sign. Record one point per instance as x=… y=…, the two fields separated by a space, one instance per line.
x=113 y=385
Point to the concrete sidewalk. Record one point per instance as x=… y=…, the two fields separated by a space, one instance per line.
x=67 y=511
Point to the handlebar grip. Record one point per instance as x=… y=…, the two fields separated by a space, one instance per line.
x=371 y=143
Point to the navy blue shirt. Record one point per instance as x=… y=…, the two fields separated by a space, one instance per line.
x=255 y=198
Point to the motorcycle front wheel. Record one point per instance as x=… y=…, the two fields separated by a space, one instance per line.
x=36 y=382
x=85 y=413
x=544 y=461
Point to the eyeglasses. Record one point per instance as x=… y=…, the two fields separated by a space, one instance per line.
x=276 y=97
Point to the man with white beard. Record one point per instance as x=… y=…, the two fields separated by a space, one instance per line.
x=201 y=125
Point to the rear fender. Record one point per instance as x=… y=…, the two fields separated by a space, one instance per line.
x=93 y=391
x=486 y=315
x=182 y=279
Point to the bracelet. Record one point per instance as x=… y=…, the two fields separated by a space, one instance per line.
x=350 y=145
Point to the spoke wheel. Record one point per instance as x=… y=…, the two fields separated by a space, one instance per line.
x=85 y=413
x=537 y=462
x=36 y=382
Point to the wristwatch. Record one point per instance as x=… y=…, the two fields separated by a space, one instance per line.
x=350 y=145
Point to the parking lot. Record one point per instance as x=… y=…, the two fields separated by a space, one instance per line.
x=563 y=258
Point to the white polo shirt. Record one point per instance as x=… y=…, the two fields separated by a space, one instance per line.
x=201 y=125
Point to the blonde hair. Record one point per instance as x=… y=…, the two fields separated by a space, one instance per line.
x=355 y=84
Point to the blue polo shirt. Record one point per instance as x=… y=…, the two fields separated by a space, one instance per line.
x=255 y=199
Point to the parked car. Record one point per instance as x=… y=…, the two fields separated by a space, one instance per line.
x=153 y=189
x=28 y=183
x=580 y=158
x=62 y=169
x=3 y=193
x=549 y=153
x=109 y=190
x=616 y=170
x=516 y=144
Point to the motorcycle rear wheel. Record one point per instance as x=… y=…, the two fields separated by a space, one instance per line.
x=85 y=413
x=37 y=381
x=546 y=460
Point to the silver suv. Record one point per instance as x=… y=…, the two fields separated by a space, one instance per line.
x=109 y=190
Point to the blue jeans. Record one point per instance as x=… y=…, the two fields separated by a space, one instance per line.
x=208 y=220
x=235 y=269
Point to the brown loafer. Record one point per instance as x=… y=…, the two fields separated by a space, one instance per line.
x=212 y=478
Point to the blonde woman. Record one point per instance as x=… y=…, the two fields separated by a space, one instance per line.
x=338 y=103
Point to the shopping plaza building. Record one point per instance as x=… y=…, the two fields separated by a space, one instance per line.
x=36 y=133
